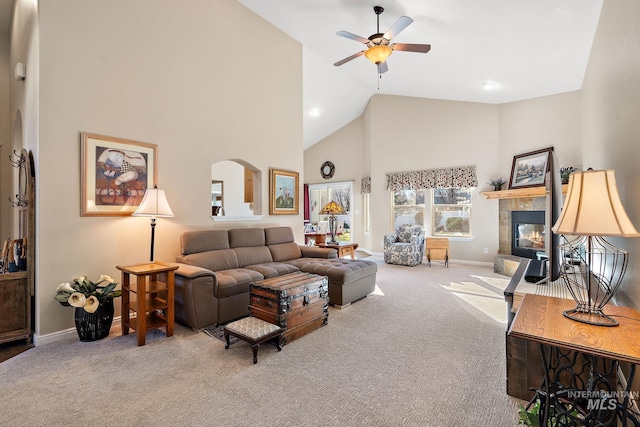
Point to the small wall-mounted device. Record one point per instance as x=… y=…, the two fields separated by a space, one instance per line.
x=20 y=72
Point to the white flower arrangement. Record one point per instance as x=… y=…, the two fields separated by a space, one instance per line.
x=87 y=294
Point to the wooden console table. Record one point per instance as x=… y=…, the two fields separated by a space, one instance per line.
x=540 y=320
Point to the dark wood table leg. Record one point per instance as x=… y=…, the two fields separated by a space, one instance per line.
x=254 y=348
x=226 y=337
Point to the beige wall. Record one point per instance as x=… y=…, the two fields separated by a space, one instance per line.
x=6 y=179
x=344 y=149
x=186 y=77
x=403 y=134
x=611 y=117
x=550 y=121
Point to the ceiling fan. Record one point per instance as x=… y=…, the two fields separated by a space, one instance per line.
x=379 y=45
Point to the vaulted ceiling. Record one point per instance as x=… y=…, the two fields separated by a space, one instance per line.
x=490 y=51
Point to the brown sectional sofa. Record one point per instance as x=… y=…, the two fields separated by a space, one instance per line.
x=217 y=267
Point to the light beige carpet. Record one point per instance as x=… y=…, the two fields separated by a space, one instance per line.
x=421 y=351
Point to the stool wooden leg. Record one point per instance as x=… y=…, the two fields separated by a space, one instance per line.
x=226 y=337
x=254 y=348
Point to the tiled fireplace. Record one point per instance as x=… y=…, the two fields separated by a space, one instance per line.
x=506 y=262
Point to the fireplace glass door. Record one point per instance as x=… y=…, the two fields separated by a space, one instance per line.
x=528 y=236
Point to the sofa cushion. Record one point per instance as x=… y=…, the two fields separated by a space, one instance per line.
x=281 y=243
x=246 y=237
x=273 y=269
x=337 y=270
x=235 y=281
x=253 y=255
x=203 y=240
x=277 y=235
x=222 y=259
x=285 y=251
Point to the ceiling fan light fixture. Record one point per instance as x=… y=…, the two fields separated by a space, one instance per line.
x=378 y=54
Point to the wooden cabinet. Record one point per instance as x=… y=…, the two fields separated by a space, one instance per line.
x=152 y=304
x=17 y=289
x=15 y=306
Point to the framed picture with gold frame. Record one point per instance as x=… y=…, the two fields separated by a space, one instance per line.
x=115 y=172
x=283 y=192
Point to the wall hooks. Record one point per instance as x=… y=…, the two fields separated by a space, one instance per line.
x=20 y=160
x=19 y=203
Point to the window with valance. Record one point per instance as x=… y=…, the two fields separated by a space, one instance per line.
x=458 y=177
x=441 y=197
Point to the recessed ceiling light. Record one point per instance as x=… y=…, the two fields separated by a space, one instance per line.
x=489 y=85
x=314 y=112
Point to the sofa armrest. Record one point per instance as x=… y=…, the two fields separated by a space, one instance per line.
x=390 y=239
x=193 y=271
x=195 y=304
x=315 y=252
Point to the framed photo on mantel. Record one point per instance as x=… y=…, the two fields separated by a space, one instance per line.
x=530 y=169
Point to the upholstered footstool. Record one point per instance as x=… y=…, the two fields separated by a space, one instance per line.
x=254 y=331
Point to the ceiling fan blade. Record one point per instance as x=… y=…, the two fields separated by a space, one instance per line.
x=408 y=47
x=352 y=36
x=382 y=67
x=402 y=23
x=349 y=58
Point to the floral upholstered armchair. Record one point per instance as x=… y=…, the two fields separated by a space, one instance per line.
x=405 y=246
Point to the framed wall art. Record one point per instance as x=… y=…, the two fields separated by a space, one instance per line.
x=283 y=193
x=115 y=173
x=323 y=227
x=530 y=169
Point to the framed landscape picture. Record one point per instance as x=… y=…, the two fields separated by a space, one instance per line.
x=530 y=169
x=115 y=174
x=283 y=193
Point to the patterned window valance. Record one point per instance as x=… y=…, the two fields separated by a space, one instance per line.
x=365 y=185
x=464 y=176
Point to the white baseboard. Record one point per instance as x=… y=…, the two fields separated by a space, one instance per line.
x=66 y=334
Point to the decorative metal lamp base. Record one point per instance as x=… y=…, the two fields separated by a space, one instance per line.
x=590 y=316
x=593 y=270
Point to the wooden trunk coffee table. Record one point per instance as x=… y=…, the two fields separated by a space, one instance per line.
x=296 y=302
x=343 y=248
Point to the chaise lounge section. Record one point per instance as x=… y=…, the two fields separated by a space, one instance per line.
x=217 y=267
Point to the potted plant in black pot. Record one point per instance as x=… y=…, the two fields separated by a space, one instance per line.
x=497 y=183
x=565 y=172
x=94 y=305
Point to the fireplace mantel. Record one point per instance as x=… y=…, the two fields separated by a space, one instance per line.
x=519 y=193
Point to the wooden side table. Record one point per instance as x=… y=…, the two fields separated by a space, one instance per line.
x=154 y=302
x=540 y=320
x=343 y=248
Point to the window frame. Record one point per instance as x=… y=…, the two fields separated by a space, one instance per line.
x=429 y=212
x=461 y=206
